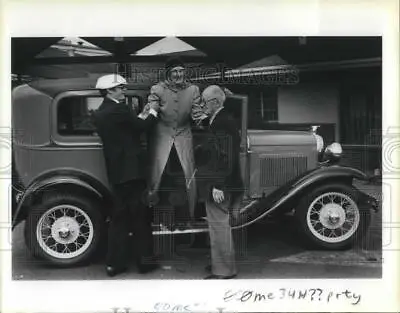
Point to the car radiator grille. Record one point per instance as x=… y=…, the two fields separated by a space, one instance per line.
x=276 y=170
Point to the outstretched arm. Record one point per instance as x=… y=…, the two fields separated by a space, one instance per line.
x=198 y=109
x=127 y=116
x=153 y=101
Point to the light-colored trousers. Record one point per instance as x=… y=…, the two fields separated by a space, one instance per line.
x=160 y=152
x=221 y=240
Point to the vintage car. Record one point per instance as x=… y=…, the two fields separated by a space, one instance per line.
x=61 y=189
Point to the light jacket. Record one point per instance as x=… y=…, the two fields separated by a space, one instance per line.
x=179 y=107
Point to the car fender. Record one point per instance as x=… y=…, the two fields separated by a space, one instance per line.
x=54 y=180
x=327 y=172
x=294 y=189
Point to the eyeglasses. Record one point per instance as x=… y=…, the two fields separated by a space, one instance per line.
x=122 y=87
x=208 y=100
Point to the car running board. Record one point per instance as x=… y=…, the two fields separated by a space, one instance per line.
x=197 y=227
x=177 y=231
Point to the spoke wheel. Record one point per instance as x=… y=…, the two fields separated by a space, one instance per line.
x=329 y=217
x=333 y=217
x=64 y=229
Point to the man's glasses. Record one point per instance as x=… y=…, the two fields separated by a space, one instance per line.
x=122 y=87
x=208 y=100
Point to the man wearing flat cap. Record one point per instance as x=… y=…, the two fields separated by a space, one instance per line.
x=179 y=103
x=119 y=129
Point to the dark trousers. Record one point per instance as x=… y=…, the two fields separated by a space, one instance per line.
x=130 y=214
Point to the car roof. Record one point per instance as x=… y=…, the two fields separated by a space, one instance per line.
x=52 y=87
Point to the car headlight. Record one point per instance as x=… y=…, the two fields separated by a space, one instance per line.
x=334 y=150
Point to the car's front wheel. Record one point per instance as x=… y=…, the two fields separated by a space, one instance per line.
x=330 y=218
x=64 y=230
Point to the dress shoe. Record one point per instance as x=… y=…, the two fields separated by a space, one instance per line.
x=147 y=268
x=113 y=271
x=212 y=276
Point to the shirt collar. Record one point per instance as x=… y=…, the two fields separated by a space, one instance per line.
x=215 y=114
x=112 y=99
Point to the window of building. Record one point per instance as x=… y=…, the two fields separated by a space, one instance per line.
x=263 y=107
x=361 y=115
x=75 y=114
x=269 y=105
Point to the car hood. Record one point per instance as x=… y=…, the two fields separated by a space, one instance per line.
x=280 y=138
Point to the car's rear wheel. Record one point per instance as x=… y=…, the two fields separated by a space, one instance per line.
x=330 y=218
x=64 y=230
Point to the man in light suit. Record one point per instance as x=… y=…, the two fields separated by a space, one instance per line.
x=179 y=103
x=225 y=184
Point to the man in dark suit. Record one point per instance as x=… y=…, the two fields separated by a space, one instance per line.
x=225 y=182
x=119 y=129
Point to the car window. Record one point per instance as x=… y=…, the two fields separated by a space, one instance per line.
x=75 y=114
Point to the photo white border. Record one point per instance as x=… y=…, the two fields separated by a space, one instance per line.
x=271 y=18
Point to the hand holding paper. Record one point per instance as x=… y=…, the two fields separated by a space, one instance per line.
x=145 y=113
x=154 y=105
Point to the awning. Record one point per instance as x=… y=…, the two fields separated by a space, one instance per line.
x=233 y=51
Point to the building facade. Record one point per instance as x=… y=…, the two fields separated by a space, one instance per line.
x=345 y=102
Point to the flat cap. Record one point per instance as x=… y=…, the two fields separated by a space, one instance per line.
x=110 y=81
